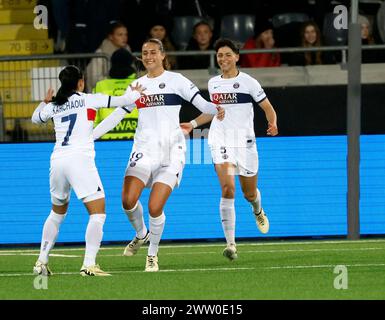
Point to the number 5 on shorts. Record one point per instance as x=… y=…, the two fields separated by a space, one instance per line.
x=72 y=119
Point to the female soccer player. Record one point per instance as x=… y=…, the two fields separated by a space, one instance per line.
x=72 y=162
x=232 y=141
x=158 y=154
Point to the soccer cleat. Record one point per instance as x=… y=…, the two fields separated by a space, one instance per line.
x=230 y=252
x=152 y=264
x=93 y=271
x=133 y=247
x=262 y=221
x=41 y=269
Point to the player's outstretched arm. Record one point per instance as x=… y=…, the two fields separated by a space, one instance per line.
x=129 y=98
x=205 y=106
x=109 y=123
x=271 y=117
x=204 y=118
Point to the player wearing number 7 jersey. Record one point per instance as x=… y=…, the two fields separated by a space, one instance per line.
x=72 y=162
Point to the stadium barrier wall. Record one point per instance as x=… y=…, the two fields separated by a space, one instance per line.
x=302 y=181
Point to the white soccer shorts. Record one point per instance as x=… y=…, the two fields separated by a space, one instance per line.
x=77 y=171
x=152 y=168
x=245 y=159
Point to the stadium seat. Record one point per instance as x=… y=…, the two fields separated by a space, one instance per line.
x=238 y=27
x=287 y=27
x=280 y=20
x=381 y=21
x=182 y=30
x=333 y=36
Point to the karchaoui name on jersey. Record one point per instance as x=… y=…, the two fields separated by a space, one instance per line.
x=75 y=104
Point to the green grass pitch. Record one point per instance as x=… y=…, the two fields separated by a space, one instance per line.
x=264 y=270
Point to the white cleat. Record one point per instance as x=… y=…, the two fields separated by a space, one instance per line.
x=93 y=271
x=262 y=221
x=41 y=269
x=230 y=252
x=133 y=247
x=152 y=264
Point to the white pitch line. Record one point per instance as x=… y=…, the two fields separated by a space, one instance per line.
x=200 y=252
x=212 y=269
x=275 y=251
x=176 y=246
x=65 y=255
x=327 y=266
x=35 y=254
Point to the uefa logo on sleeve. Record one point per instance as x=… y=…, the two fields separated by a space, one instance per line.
x=236 y=85
x=162 y=85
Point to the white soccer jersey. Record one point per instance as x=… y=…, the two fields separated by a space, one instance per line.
x=236 y=96
x=73 y=120
x=158 y=123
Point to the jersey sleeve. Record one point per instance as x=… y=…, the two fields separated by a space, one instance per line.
x=256 y=90
x=186 y=89
x=42 y=113
x=109 y=123
x=99 y=100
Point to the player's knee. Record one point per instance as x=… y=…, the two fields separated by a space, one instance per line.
x=250 y=195
x=155 y=209
x=228 y=191
x=129 y=201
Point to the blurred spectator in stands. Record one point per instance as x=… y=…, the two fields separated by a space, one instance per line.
x=366 y=30
x=121 y=75
x=369 y=56
x=201 y=40
x=160 y=28
x=116 y=39
x=263 y=39
x=310 y=37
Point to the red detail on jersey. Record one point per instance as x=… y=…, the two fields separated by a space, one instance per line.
x=91 y=114
x=214 y=98
x=140 y=103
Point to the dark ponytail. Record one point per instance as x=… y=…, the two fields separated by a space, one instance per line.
x=69 y=78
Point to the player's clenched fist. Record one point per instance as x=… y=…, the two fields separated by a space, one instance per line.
x=272 y=130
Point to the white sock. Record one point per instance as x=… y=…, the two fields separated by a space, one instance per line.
x=94 y=236
x=135 y=215
x=257 y=203
x=50 y=233
x=227 y=210
x=156 y=230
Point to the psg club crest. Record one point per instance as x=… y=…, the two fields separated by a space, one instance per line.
x=162 y=85
x=236 y=85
